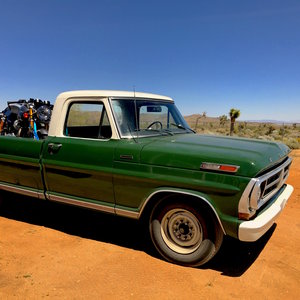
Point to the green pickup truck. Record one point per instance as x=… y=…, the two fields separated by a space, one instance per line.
x=133 y=155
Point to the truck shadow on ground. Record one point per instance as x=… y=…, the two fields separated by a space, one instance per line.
x=233 y=259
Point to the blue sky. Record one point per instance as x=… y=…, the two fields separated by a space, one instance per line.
x=208 y=55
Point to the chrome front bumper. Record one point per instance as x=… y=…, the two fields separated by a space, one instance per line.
x=250 y=231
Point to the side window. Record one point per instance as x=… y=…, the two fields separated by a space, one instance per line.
x=87 y=120
x=105 y=121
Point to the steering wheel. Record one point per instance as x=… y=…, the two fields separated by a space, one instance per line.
x=155 y=122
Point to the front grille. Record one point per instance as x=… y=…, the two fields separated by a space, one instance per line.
x=268 y=184
x=274 y=182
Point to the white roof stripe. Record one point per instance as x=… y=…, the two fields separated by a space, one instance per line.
x=111 y=93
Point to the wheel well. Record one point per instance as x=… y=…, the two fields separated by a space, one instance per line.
x=166 y=196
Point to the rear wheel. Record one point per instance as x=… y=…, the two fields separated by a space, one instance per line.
x=185 y=234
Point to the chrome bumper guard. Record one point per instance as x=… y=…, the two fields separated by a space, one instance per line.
x=250 y=231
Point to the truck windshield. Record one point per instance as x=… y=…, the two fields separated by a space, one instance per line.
x=145 y=118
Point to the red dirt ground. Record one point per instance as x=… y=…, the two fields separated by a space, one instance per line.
x=55 y=251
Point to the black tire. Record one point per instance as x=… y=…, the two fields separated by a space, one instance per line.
x=195 y=236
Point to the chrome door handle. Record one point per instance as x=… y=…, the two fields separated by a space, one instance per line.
x=53 y=148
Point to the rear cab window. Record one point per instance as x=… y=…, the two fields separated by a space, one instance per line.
x=87 y=120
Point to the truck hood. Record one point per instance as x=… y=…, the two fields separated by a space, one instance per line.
x=188 y=151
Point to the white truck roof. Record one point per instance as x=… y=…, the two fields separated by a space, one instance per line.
x=110 y=93
x=64 y=99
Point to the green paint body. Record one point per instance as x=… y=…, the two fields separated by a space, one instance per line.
x=124 y=173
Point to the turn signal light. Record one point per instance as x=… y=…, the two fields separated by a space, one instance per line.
x=219 y=167
x=227 y=168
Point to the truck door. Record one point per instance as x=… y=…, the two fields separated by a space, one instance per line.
x=20 y=169
x=78 y=166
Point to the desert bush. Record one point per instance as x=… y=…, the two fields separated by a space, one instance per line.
x=292 y=143
x=270 y=130
x=221 y=131
x=287 y=134
x=282 y=131
x=223 y=120
x=266 y=138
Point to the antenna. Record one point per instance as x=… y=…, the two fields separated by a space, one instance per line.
x=136 y=115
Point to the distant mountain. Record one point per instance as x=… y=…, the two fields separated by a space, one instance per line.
x=272 y=121
x=192 y=119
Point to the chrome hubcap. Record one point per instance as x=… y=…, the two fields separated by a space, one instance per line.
x=181 y=231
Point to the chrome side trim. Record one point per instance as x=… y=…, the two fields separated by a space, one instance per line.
x=80 y=203
x=127 y=213
x=95 y=206
x=22 y=191
x=183 y=193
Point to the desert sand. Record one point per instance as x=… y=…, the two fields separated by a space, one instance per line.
x=56 y=251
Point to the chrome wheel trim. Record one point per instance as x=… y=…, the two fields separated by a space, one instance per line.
x=181 y=231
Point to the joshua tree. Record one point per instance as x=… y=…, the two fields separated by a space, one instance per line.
x=201 y=116
x=233 y=114
x=204 y=116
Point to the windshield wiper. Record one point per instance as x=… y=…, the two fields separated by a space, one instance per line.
x=160 y=131
x=182 y=127
x=168 y=131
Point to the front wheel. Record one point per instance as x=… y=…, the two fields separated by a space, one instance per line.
x=185 y=234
